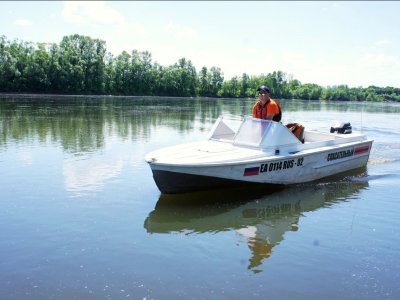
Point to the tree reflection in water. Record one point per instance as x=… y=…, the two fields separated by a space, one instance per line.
x=81 y=124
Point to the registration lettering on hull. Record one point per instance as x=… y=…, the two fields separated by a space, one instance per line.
x=274 y=166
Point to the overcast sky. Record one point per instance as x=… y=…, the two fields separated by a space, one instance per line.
x=328 y=43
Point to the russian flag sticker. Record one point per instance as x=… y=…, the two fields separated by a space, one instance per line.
x=361 y=150
x=251 y=171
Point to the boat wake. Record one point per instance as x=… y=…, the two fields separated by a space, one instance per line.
x=374 y=177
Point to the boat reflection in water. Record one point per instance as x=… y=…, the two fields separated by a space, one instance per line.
x=261 y=217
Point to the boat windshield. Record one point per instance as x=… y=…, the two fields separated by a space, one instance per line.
x=251 y=132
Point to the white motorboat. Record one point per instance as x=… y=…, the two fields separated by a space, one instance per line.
x=259 y=152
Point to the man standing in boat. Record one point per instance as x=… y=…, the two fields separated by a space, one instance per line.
x=266 y=108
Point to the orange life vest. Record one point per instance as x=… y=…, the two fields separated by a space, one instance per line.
x=260 y=111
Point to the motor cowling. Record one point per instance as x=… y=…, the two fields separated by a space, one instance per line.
x=342 y=127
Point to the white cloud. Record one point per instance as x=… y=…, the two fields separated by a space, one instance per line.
x=328 y=6
x=98 y=13
x=93 y=12
x=23 y=22
x=379 y=60
x=368 y=69
x=362 y=70
x=180 y=32
x=382 y=42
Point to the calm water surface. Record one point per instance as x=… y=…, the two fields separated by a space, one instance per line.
x=81 y=217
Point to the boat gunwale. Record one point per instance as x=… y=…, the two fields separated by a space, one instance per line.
x=265 y=158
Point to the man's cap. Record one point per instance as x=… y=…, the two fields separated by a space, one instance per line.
x=263 y=88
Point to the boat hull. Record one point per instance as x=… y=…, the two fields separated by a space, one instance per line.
x=173 y=182
x=274 y=171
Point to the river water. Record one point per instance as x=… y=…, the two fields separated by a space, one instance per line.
x=81 y=217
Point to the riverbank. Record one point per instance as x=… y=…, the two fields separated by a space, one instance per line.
x=34 y=95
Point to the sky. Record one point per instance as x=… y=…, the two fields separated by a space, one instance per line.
x=323 y=42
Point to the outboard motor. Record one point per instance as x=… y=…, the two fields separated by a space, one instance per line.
x=341 y=127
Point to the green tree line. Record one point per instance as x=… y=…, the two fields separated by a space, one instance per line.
x=82 y=65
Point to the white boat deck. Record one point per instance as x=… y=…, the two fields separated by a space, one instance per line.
x=206 y=152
